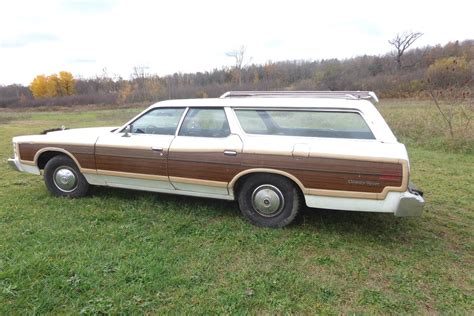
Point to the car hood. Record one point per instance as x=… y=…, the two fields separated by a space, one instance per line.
x=97 y=131
x=67 y=136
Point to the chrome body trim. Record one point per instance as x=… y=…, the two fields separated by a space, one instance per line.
x=137 y=186
x=18 y=165
x=14 y=164
x=351 y=95
x=411 y=204
x=400 y=204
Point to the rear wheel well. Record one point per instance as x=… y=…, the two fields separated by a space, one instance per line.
x=46 y=156
x=240 y=181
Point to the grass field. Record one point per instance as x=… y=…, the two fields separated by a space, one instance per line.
x=120 y=251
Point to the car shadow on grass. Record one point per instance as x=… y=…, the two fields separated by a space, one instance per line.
x=379 y=227
x=187 y=204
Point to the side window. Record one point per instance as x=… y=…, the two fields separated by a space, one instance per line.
x=205 y=122
x=304 y=123
x=252 y=121
x=158 y=121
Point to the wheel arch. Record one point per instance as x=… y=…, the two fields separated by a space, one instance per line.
x=236 y=183
x=45 y=154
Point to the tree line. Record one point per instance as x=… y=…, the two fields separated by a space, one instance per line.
x=400 y=73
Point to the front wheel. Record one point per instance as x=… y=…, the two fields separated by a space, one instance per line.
x=269 y=200
x=63 y=178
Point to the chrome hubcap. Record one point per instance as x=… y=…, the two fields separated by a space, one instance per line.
x=65 y=179
x=267 y=200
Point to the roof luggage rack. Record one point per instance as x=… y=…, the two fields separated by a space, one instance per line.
x=349 y=95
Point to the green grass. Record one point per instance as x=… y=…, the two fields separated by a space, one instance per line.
x=119 y=251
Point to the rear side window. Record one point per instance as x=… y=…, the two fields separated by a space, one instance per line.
x=304 y=123
x=202 y=122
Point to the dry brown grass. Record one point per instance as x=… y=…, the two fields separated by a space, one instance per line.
x=418 y=122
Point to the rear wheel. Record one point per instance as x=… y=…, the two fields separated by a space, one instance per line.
x=269 y=200
x=63 y=178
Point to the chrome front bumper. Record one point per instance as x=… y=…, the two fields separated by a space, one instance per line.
x=411 y=203
x=13 y=163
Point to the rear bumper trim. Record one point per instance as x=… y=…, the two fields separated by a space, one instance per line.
x=411 y=203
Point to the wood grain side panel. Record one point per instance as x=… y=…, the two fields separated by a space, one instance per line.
x=82 y=153
x=331 y=173
x=314 y=172
x=211 y=157
x=203 y=171
x=204 y=166
x=324 y=164
x=131 y=160
x=85 y=160
x=339 y=181
x=28 y=151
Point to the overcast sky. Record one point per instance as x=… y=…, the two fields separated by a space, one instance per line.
x=84 y=37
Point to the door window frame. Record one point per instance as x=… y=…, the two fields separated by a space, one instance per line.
x=121 y=130
x=180 y=125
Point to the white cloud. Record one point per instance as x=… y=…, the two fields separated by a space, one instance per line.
x=188 y=36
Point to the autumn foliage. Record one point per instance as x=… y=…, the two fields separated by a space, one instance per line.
x=53 y=86
x=440 y=69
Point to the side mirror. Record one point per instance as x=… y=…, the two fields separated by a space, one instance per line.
x=127 y=131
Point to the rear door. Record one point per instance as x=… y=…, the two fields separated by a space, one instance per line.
x=205 y=155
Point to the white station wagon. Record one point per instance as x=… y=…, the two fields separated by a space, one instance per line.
x=270 y=151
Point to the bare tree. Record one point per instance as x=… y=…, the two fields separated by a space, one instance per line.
x=401 y=42
x=239 y=56
x=139 y=75
x=449 y=83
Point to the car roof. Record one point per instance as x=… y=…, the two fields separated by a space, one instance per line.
x=271 y=102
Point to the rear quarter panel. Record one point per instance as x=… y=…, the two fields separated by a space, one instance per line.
x=332 y=167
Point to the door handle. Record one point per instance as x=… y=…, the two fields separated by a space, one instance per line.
x=158 y=150
x=230 y=153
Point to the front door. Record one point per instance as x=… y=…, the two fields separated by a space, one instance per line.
x=138 y=160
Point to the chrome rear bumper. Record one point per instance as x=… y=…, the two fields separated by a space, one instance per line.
x=411 y=203
x=13 y=163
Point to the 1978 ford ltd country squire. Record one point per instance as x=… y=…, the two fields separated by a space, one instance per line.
x=270 y=151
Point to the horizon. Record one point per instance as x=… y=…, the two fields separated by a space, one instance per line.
x=173 y=38
x=229 y=67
